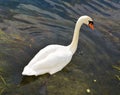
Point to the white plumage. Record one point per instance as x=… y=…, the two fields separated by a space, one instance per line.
x=49 y=60
x=54 y=58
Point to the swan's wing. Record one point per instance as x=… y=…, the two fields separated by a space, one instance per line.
x=52 y=63
x=43 y=53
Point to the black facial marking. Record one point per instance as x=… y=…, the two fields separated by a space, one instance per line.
x=91 y=22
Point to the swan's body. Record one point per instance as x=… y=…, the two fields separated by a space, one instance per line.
x=54 y=58
x=50 y=59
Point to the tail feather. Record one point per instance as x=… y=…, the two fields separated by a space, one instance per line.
x=28 y=71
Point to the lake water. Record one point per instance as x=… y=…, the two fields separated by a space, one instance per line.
x=26 y=26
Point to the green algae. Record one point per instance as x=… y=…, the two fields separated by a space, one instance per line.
x=3 y=80
x=12 y=38
x=11 y=45
x=3 y=84
x=117 y=69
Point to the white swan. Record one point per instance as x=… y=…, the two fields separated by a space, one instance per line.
x=54 y=58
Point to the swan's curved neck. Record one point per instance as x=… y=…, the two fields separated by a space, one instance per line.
x=74 y=43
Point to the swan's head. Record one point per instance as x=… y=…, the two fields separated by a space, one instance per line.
x=88 y=21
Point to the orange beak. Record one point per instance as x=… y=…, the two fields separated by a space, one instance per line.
x=91 y=26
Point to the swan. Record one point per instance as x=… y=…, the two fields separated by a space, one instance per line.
x=54 y=58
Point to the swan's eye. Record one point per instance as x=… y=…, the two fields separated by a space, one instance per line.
x=91 y=25
x=91 y=22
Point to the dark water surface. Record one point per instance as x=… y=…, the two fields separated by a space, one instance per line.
x=26 y=26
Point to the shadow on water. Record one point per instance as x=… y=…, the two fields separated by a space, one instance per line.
x=27 y=79
x=42 y=88
x=26 y=26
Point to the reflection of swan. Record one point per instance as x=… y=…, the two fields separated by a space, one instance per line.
x=54 y=58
